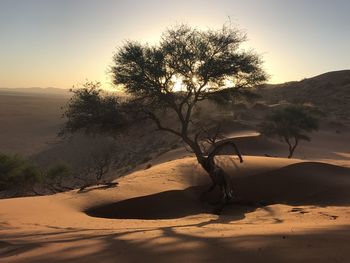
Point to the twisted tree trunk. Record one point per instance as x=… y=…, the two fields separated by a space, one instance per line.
x=218 y=176
x=291 y=147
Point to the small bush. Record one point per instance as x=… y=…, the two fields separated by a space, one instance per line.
x=19 y=177
x=17 y=173
x=57 y=173
x=59 y=170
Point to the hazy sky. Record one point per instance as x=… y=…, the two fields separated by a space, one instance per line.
x=60 y=43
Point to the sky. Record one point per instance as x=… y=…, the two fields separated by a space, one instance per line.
x=61 y=43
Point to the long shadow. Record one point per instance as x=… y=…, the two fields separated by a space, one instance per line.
x=177 y=244
x=8 y=249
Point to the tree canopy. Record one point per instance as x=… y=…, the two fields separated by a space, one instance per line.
x=91 y=110
x=187 y=66
x=291 y=124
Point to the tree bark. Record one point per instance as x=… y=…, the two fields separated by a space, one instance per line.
x=218 y=176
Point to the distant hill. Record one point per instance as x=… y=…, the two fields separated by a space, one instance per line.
x=330 y=92
x=50 y=92
x=31 y=117
x=35 y=91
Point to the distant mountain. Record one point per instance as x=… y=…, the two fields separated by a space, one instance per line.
x=35 y=91
x=330 y=92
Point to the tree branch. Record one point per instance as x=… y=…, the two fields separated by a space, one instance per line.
x=220 y=145
x=160 y=127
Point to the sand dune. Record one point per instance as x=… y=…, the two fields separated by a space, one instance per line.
x=329 y=92
x=325 y=146
x=306 y=183
x=294 y=211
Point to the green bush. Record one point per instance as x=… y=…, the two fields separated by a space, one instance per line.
x=17 y=173
x=57 y=173
x=60 y=170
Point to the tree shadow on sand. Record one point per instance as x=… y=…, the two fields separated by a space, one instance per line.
x=177 y=244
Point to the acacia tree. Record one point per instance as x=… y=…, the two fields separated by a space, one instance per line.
x=186 y=67
x=291 y=124
x=89 y=110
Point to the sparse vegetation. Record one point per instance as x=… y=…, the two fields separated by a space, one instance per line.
x=55 y=176
x=17 y=174
x=291 y=124
x=96 y=168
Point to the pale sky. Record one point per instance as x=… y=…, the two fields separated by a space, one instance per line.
x=60 y=43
